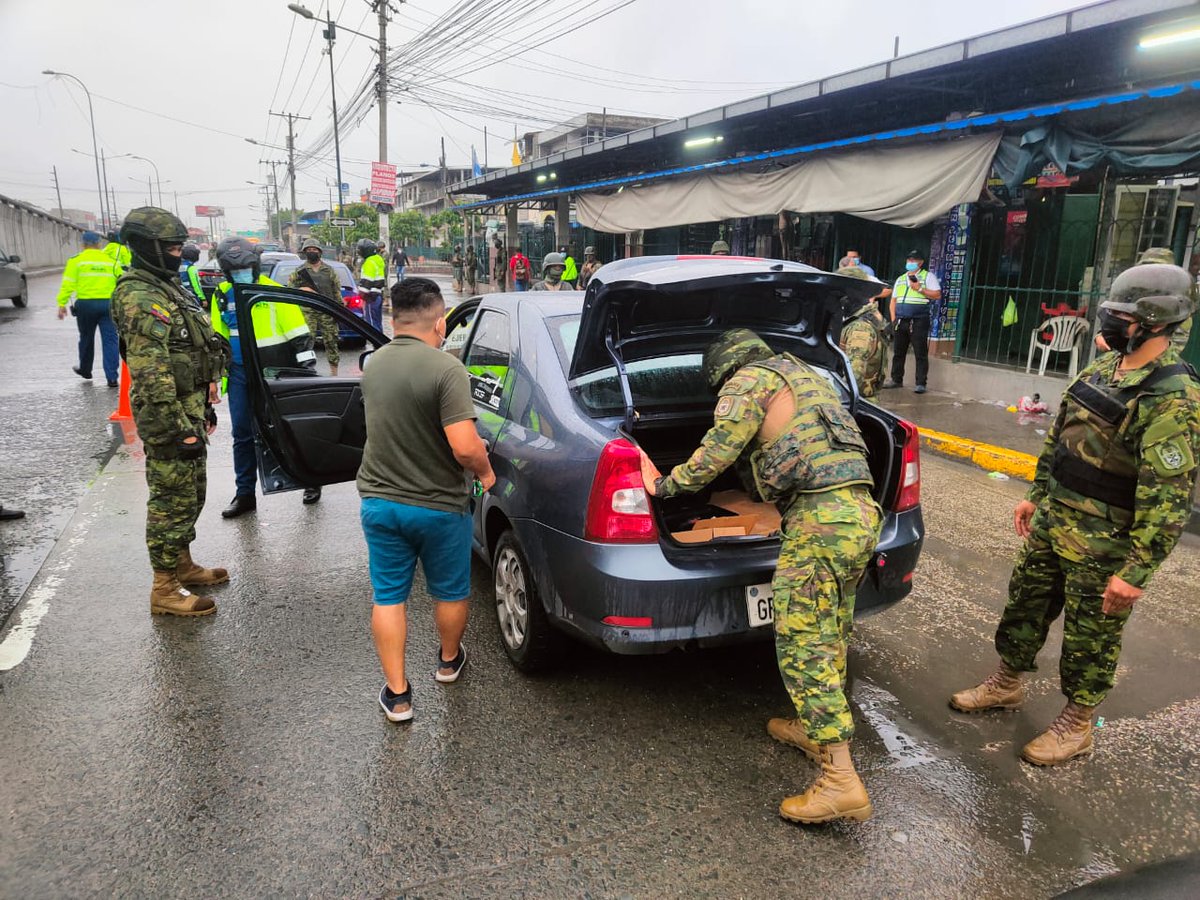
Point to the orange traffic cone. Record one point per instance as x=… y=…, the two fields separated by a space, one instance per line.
x=124 y=412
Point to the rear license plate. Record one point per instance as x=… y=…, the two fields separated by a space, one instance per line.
x=759 y=609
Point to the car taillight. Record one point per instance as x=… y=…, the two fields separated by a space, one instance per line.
x=353 y=301
x=618 y=510
x=909 y=495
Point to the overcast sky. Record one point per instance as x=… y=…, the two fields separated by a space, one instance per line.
x=184 y=84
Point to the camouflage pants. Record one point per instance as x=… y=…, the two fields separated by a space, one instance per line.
x=828 y=539
x=1063 y=569
x=177 y=491
x=324 y=327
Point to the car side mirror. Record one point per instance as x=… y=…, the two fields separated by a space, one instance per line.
x=363 y=359
x=14 y=259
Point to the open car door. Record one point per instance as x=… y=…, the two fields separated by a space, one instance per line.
x=311 y=427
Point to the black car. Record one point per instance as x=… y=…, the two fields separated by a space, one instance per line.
x=567 y=387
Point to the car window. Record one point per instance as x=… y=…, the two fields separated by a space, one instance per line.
x=457 y=339
x=488 y=359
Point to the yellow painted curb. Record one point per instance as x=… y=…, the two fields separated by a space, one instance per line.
x=986 y=456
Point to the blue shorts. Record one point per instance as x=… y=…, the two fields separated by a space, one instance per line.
x=398 y=535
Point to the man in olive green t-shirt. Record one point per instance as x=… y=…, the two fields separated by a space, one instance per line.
x=421 y=442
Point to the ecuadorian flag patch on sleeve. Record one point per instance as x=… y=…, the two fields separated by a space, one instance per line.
x=159 y=313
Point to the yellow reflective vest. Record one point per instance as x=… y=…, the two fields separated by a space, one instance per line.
x=119 y=253
x=90 y=275
x=280 y=332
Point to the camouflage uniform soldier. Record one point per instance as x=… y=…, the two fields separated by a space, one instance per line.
x=456 y=267
x=471 y=268
x=807 y=456
x=862 y=337
x=174 y=361
x=1108 y=503
x=318 y=277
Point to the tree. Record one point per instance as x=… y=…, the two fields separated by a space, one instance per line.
x=366 y=225
x=407 y=228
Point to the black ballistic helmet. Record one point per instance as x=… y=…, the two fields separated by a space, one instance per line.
x=367 y=247
x=191 y=253
x=237 y=253
x=147 y=231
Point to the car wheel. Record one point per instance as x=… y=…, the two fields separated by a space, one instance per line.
x=529 y=639
x=22 y=299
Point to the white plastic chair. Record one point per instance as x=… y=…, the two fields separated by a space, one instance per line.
x=1066 y=333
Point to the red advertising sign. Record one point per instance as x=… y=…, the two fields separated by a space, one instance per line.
x=210 y=212
x=383 y=183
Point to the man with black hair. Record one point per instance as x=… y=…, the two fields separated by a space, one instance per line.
x=421 y=443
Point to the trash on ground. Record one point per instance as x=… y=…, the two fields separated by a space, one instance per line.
x=1100 y=722
x=1033 y=404
x=999 y=476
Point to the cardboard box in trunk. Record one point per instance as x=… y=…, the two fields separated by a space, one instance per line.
x=750 y=518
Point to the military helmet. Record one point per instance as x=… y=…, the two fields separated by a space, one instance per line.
x=853 y=272
x=1152 y=255
x=589 y=251
x=237 y=253
x=309 y=242
x=149 y=223
x=1152 y=293
x=191 y=253
x=719 y=247
x=735 y=348
x=366 y=247
x=554 y=259
x=111 y=235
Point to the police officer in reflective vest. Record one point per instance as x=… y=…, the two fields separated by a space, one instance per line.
x=372 y=281
x=175 y=360
x=117 y=251
x=805 y=454
x=283 y=341
x=910 y=312
x=189 y=277
x=91 y=276
x=1110 y=498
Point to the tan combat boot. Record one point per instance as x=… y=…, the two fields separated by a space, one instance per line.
x=189 y=572
x=791 y=731
x=837 y=794
x=1069 y=736
x=169 y=597
x=1000 y=690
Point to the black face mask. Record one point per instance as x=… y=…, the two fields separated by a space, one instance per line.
x=312 y=255
x=1113 y=330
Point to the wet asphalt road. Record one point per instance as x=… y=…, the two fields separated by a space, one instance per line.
x=243 y=755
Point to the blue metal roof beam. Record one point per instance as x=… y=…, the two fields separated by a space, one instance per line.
x=984 y=121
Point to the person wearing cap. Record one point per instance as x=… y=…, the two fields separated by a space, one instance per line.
x=1109 y=501
x=719 y=248
x=570 y=270
x=589 y=267
x=553 y=266
x=91 y=276
x=318 y=277
x=912 y=295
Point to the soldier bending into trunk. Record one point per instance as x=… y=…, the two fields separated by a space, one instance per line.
x=807 y=456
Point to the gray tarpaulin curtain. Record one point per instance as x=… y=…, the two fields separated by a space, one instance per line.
x=1166 y=140
x=908 y=185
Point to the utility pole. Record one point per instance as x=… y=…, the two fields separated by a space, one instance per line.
x=112 y=215
x=177 y=206
x=382 y=7
x=291 y=149
x=484 y=149
x=57 y=192
x=275 y=186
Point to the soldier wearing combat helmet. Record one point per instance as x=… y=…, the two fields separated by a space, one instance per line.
x=862 y=338
x=1108 y=503
x=784 y=422
x=174 y=361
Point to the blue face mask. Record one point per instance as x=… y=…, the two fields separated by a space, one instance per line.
x=912 y=267
x=242 y=276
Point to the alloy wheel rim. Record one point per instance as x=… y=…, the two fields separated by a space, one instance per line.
x=512 y=607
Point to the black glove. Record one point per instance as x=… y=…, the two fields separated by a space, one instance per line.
x=194 y=450
x=210 y=416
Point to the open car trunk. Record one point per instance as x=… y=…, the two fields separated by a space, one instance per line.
x=695 y=518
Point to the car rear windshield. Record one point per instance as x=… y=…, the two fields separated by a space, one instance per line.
x=666 y=382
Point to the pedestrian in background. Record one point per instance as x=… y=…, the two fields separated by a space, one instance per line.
x=399 y=261
x=499 y=267
x=318 y=277
x=1109 y=501
x=808 y=458
x=570 y=269
x=518 y=269
x=117 y=251
x=456 y=268
x=91 y=276
x=421 y=445
x=589 y=268
x=910 y=314
x=471 y=268
x=189 y=275
x=175 y=360
x=855 y=259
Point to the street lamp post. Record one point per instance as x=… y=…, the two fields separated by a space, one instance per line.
x=330 y=35
x=157 y=177
x=103 y=211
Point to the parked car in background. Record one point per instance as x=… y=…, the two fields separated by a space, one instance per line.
x=567 y=387
x=13 y=284
x=283 y=271
x=268 y=260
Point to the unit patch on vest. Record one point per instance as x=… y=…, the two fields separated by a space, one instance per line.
x=724 y=407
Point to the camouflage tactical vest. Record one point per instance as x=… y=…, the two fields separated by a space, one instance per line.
x=820 y=449
x=1096 y=457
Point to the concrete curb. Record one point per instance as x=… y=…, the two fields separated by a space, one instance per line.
x=985 y=456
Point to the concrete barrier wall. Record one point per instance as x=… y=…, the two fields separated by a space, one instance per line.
x=40 y=239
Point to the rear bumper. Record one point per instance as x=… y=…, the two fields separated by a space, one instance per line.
x=696 y=600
